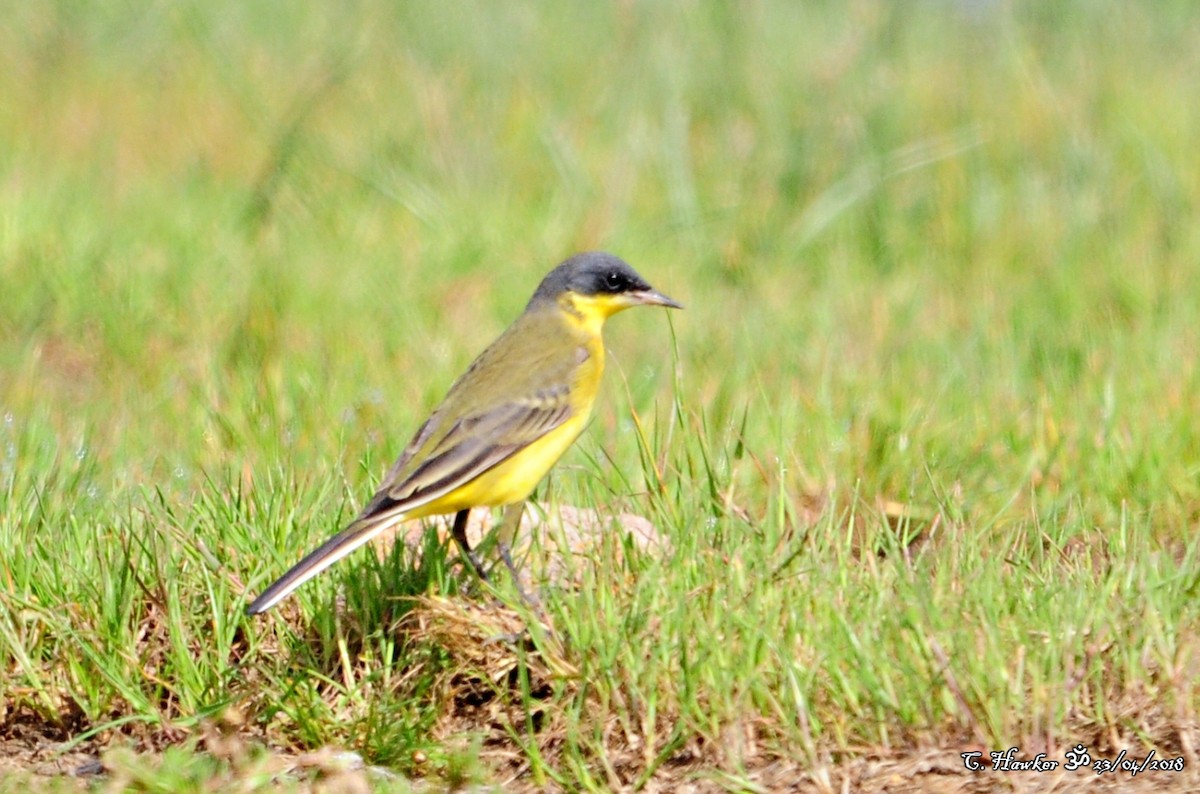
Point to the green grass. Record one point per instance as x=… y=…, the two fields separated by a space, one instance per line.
x=923 y=445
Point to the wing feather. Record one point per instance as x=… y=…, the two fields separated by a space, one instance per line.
x=516 y=392
x=470 y=448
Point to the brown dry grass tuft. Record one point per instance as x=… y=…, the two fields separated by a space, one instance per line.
x=500 y=684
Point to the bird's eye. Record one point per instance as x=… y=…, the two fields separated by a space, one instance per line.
x=614 y=281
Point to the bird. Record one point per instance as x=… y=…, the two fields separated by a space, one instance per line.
x=504 y=423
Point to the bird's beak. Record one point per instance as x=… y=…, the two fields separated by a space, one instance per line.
x=650 y=297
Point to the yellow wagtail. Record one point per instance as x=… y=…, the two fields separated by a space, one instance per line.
x=506 y=420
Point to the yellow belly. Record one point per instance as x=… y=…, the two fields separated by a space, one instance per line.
x=514 y=479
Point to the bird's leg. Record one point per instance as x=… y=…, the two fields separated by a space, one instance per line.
x=460 y=537
x=505 y=536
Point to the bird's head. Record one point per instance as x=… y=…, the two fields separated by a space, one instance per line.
x=599 y=283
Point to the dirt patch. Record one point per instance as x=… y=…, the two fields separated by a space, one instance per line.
x=941 y=771
x=938 y=771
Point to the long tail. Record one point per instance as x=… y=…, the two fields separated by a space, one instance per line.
x=329 y=552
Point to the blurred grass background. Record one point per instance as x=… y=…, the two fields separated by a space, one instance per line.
x=940 y=263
